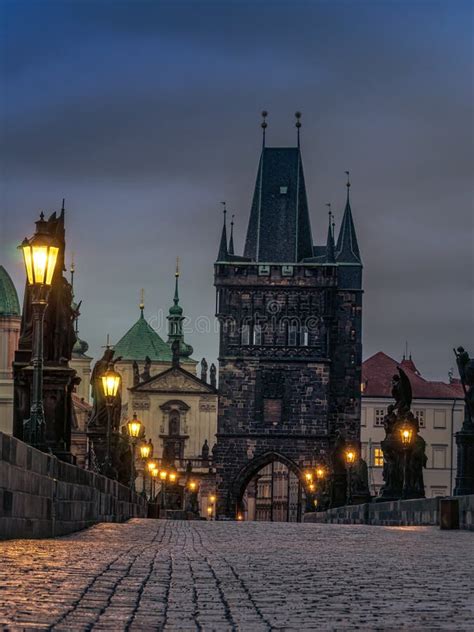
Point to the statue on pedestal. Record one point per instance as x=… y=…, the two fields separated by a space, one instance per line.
x=403 y=448
x=465 y=437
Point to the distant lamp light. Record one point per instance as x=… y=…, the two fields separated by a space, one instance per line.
x=212 y=498
x=110 y=384
x=209 y=511
x=152 y=465
x=134 y=427
x=172 y=477
x=350 y=457
x=406 y=433
x=240 y=516
x=192 y=486
x=320 y=473
x=308 y=476
x=146 y=450
x=312 y=487
x=163 y=475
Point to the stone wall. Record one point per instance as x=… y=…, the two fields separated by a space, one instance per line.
x=423 y=511
x=41 y=496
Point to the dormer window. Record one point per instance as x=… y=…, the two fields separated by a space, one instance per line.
x=283 y=190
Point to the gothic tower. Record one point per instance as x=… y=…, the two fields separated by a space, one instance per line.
x=290 y=334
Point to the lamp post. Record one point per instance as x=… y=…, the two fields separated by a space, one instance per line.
x=406 y=433
x=146 y=452
x=350 y=460
x=110 y=384
x=163 y=476
x=154 y=473
x=134 y=427
x=212 y=500
x=40 y=255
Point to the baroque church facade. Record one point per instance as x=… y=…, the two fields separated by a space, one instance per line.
x=290 y=349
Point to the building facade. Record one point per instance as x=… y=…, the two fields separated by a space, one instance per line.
x=439 y=408
x=10 y=321
x=290 y=317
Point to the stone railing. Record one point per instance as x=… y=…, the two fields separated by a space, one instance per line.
x=41 y=496
x=422 y=511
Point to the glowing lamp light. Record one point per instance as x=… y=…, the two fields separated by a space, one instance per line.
x=240 y=516
x=146 y=450
x=209 y=510
x=154 y=472
x=320 y=472
x=172 y=477
x=212 y=498
x=308 y=476
x=134 y=427
x=163 y=475
x=406 y=434
x=110 y=383
x=152 y=465
x=312 y=487
x=350 y=457
x=192 y=486
x=40 y=256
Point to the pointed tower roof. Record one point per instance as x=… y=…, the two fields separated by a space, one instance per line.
x=223 y=252
x=279 y=228
x=231 y=238
x=178 y=347
x=330 y=249
x=347 y=249
x=9 y=303
x=140 y=341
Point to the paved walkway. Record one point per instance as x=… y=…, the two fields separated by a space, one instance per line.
x=177 y=576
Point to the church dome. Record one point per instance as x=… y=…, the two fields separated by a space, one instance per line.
x=141 y=341
x=176 y=310
x=9 y=303
x=80 y=347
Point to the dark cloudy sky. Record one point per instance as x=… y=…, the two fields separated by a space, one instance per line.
x=145 y=115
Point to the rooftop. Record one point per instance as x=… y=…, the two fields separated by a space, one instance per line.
x=377 y=372
x=140 y=341
x=9 y=303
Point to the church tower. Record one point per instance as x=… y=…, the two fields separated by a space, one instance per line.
x=290 y=334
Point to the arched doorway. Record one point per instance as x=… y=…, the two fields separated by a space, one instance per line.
x=269 y=489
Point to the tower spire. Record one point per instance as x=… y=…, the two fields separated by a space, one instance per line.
x=142 y=301
x=176 y=276
x=330 y=250
x=298 y=126
x=223 y=252
x=231 y=239
x=347 y=249
x=264 y=126
x=175 y=323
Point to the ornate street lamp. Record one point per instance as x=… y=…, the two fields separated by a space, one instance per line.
x=350 y=460
x=406 y=434
x=308 y=476
x=40 y=254
x=320 y=472
x=110 y=385
x=146 y=452
x=135 y=428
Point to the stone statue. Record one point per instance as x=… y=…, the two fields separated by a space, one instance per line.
x=466 y=373
x=465 y=436
x=338 y=482
x=205 y=451
x=214 y=453
x=204 y=370
x=136 y=373
x=146 y=375
x=402 y=463
x=212 y=373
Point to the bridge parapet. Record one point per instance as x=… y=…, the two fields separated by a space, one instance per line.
x=41 y=496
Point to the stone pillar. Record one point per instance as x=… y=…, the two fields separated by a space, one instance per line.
x=465 y=458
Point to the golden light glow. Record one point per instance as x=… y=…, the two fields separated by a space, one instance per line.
x=145 y=450
x=240 y=516
x=154 y=472
x=172 y=477
x=134 y=427
x=209 y=511
x=163 y=475
x=192 y=486
x=40 y=262
x=350 y=456
x=212 y=498
x=406 y=434
x=320 y=472
x=312 y=487
x=110 y=383
x=308 y=476
x=152 y=465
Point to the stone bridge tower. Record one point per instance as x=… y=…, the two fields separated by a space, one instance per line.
x=290 y=333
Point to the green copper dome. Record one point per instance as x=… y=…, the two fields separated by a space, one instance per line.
x=141 y=341
x=9 y=304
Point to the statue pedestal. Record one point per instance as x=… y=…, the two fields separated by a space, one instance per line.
x=58 y=384
x=465 y=460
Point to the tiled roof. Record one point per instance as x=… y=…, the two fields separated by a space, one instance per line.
x=141 y=341
x=9 y=304
x=377 y=372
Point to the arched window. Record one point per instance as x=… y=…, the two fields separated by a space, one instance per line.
x=174 y=423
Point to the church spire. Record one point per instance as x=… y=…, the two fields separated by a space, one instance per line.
x=223 y=252
x=330 y=250
x=142 y=302
x=347 y=249
x=175 y=322
x=231 y=239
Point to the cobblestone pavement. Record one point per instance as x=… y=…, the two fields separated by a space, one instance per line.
x=177 y=576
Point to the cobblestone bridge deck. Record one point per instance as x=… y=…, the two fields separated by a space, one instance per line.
x=174 y=576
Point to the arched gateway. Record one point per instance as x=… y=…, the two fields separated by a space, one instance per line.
x=290 y=347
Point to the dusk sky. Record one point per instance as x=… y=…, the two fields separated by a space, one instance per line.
x=146 y=115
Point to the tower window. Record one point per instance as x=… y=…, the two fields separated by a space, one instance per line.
x=304 y=337
x=378 y=457
x=174 y=423
x=292 y=335
x=283 y=190
x=245 y=335
x=257 y=335
x=272 y=410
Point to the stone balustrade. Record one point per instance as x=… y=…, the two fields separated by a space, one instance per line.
x=41 y=496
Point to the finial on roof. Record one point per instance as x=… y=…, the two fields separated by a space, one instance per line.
x=176 y=276
x=222 y=254
x=298 y=125
x=177 y=267
x=348 y=183
x=231 y=239
x=62 y=205
x=142 y=300
x=264 y=125
x=42 y=216
x=330 y=250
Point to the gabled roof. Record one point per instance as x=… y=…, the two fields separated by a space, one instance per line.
x=279 y=228
x=9 y=303
x=347 y=249
x=141 y=341
x=174 y=379
x=377 y=373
